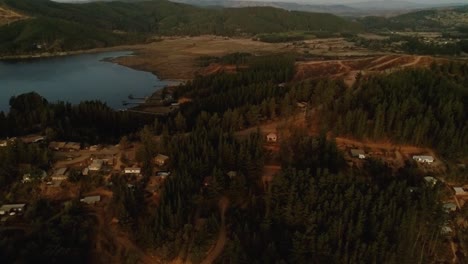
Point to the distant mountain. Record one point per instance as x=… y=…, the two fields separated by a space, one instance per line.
x=436 y=19
x=348 y=9
x=63 y=26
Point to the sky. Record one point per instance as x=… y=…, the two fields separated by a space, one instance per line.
x=336 y=1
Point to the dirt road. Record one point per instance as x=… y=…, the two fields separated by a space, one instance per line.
x=218 y=248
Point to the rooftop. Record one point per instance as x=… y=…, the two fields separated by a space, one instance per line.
x=91 y=199
x=61 y=171
x=161 y=157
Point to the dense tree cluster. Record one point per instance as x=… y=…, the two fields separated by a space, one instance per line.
x=418 y=106
x=17 y=153
x=89 y=121
x=54 y=235
x=320 y=217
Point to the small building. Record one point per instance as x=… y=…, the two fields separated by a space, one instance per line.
x=161 y=160
x=424 y=159
x=232 y=174
x=163 y=174
x=92 y=200
x=302 y=106
x=12 y=208
x=132 y=170
x=85 y=172
x=3 y=143
x=60 y=174
x=96 y=165
x=32 y=139
x=358 y=153
x=430 y=180
x=94 y=148
x=446 y=230
x=449 y=207
x=459 y=191
x=272 y=137
x=27 y=177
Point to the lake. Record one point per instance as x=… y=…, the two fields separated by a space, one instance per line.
x=76 y=78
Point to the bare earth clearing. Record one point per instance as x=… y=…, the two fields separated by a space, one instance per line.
x=176 y=58
x=7 y=16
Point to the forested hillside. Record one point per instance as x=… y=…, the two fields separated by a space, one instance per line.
x=316 y=208
x=425 y=20
x=420 y=106
x=60 y=26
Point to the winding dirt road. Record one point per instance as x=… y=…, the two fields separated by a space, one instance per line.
x=218 y=248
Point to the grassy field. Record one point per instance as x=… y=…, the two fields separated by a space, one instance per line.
x=178 y=57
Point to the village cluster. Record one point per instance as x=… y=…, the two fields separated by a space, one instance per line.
x=90 y=161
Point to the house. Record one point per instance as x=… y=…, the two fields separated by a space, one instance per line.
x=449 y=207
x=358 y=153
x=161 y=160
x=85 y=172
x=302 y=106
x=446 y=230
x=232 y=174
x=60 y=174
x=132 y=170
x=12 y=209
x=32 y=139
x=163 y=174
x=3 y=143
x=91 y=199
x=459 y=191
x=96 y=165
x=27 y=177
x=423 y=159
x=430 y=180
x=94 y=148
x=272 y=137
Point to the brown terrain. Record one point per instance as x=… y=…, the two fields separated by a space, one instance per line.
x=176 y=58
x=7 y=16
x=347 y=69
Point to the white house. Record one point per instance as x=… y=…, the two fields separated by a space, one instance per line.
x=358 y=153
x=96 y=165
x=91 y=199
x=450 y=207
x=12 y=208
x=423 y=159
x=430 y=180
x=272 y=137
x=459 y=191
x=132 y=170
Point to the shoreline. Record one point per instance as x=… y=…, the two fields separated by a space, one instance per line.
x=116 y=60
x=132 y=48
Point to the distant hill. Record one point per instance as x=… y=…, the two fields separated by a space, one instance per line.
x=64 y=26
x=365 y=8
x=425 y=20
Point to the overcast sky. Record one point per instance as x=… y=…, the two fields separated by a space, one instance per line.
x=335 y=1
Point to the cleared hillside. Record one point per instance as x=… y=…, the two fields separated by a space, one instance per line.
x=8 y=16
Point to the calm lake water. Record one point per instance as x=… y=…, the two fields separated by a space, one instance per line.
x=76 y=78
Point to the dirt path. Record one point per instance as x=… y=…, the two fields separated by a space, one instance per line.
x=110 y=235
x=222 y=237
x=454 y=251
